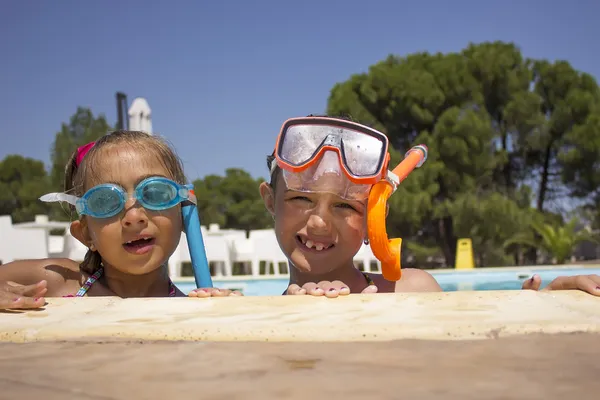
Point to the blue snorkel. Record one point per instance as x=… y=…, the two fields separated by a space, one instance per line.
x=193 y=231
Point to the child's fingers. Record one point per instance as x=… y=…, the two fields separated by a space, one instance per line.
x=587 y=283
x=370 y=289
x=532 y=283
x=198 y=293
x=216 y=292
x=313 y=289
x=35 y=290
x=334 y=289
x=209 y=292
x=22 y=302
x=294 y=289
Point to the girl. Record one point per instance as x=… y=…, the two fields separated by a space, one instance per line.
x=131 y=184
x=322 y=170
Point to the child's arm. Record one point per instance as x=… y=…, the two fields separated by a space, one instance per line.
x=24 y=281
x=586 y=283
x=22 y=285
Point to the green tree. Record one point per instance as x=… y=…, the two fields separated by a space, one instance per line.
x=557 y=240
x=580 y=159
x=232 y=201
x=494 y=122
x=82 y=128
x=22 y=181
x=503 y=77
x=430 y=99
x=566 y=101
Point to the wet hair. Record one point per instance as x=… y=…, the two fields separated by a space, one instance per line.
x=271 y=158
x=78 y=179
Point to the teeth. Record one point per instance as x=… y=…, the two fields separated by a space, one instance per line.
x=318 y=246
x=131 y=241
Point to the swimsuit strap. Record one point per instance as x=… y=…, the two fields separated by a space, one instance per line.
x=172 y=289
x=368 y=278
x=98 y=274
x=89 y=282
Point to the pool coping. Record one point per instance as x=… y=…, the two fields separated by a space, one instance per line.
x=380 y=317
x=440 y=271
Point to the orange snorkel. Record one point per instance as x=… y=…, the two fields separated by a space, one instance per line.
x=388 y=250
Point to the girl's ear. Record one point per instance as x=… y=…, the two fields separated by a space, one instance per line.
x=80 y=232
x=268 y=196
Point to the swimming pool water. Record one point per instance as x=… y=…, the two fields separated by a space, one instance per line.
x=449 y=281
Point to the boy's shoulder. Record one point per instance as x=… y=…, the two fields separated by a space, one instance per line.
x=417 y=280
x=412 y=280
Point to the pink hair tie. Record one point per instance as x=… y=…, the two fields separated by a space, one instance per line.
x=82 y=151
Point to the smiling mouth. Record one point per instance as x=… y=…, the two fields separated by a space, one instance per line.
x=313 y=245
x=139 y=243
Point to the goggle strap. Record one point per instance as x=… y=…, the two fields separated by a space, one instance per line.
x=56 y=197
x=192 y=197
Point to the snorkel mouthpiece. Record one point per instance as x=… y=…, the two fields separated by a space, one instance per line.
x=386 y=250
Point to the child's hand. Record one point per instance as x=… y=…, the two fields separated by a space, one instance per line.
x=14 y=296
x=329 y=289
x=587 y=283
x=213 y=292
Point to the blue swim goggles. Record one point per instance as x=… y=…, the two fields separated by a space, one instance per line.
x=107 y=200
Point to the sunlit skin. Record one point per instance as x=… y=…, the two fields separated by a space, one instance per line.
x=339 y=225
x=23 y=284
x=133 y=275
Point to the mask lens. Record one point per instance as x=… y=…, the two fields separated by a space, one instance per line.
x=301 y=141
x=362 y=153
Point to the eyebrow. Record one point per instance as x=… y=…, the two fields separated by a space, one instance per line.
x=140 y=179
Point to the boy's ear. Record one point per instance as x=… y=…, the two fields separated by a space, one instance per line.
x=268 y=195
x=80 y=232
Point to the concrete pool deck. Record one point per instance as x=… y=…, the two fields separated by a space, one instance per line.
x=531 y=367
x=531 y=345
x=379 y=317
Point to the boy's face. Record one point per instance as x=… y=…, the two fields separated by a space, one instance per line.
x=318 y=232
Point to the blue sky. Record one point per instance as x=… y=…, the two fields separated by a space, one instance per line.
x=222 y=76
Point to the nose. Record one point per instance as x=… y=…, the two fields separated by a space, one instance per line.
x=135 y=216
x=319 y=220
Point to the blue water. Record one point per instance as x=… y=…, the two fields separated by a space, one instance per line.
x=449 y=281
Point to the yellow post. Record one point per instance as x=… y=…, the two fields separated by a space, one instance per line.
x=464 y=254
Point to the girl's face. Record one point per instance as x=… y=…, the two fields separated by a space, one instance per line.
x=136 y=241
x=318 y=232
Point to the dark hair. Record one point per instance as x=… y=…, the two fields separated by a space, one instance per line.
x=79 y=178
x=271 y=158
